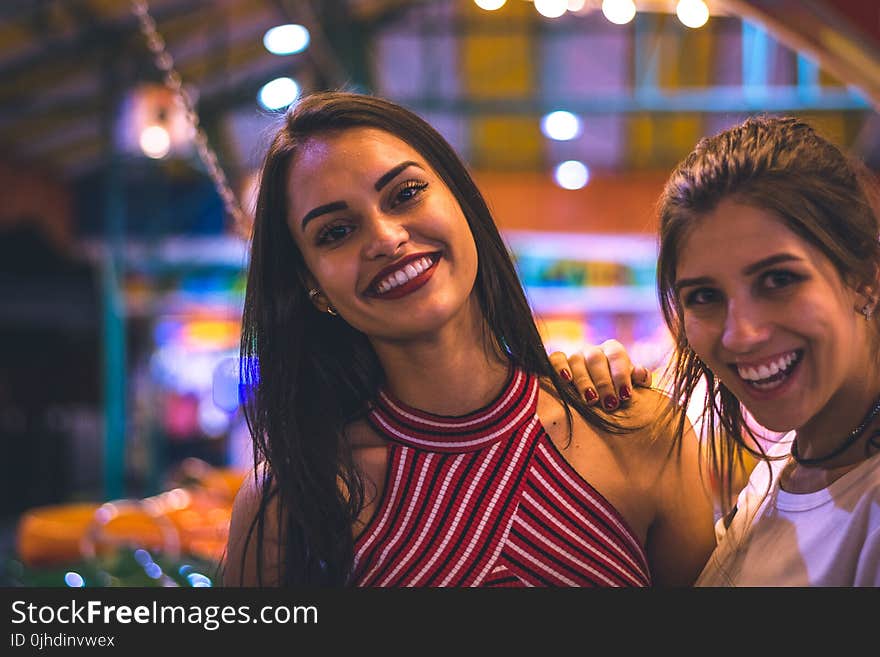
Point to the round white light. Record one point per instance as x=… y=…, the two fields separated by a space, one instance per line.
x=74 y=580
x=490 y=5
x=572 y=174
x=155 y=142
x=561 y=125
x=286 y=39
x=692 y=13
x=278 y=93
x=551 y=8
x=619 y=12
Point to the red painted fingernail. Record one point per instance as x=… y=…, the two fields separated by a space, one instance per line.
x=624 y=392
x=591 y=395
x=565 y=374
x=610 y=402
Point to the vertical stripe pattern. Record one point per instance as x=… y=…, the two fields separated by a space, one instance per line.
x=486 y=499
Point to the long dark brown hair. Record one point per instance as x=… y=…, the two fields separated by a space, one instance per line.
x=784 y=166
x=308 y=374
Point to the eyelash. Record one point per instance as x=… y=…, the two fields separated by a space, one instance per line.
x=324 y=235
x=790 y=276
x=418 y=185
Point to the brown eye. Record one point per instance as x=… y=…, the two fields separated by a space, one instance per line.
x=700 y=297
x=408 y=191
x=333 y=233
x=779 y=278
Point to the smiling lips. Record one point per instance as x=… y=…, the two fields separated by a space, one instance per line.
x=772 y=373
x=404 y=276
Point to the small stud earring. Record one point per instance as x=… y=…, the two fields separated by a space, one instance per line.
x=868 y=309
x=314 y=293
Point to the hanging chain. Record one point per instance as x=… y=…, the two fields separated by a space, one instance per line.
x=165 y=63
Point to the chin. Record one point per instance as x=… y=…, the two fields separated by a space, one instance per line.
x=777 y=422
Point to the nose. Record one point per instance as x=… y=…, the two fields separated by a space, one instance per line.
x=744 y=327
x=385 y=235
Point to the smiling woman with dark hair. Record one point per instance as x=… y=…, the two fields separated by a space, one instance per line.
x=409 y=429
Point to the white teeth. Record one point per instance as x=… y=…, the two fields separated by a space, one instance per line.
x=407 y=273
x=756 y=375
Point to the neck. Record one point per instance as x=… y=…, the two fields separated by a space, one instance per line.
x=825 y=438
x=452 y=372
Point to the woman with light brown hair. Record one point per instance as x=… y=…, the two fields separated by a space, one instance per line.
x=768 y=281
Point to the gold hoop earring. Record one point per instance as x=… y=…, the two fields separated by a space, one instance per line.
x=331 y=310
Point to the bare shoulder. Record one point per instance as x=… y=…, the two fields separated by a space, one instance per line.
x=241 y=563
x=361 y=434
x=652 y=418
x=647 y=405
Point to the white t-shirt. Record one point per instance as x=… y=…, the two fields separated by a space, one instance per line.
x=827 y=538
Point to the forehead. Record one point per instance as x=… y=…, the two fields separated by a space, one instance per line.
x=354 y=151
x=329 y=166
x=735 y=235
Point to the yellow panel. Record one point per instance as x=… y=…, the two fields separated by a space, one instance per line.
x=496 y=66
x=667 y=53
x=695 y=56
x=831 y=125
x=506 y=142
x=512 y=9
x=662 y=140
x=640 y=141
x=681 y=133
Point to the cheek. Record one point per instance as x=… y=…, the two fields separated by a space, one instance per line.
x=332 y=275
x=700 y=334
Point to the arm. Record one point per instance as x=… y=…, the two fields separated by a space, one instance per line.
x=602 y=373
x=682 y=536
x=241 y=566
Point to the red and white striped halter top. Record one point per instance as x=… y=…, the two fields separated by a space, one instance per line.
x=486 y=499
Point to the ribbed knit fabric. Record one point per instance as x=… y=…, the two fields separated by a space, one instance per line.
x=486 y=499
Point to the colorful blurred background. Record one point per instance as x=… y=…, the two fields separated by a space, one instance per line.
x=131 y=132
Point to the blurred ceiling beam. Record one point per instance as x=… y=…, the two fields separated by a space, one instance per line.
x=834 y=32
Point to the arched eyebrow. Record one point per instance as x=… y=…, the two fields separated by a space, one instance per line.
x=322 y=209
x=747 y=270
x=383 y=180
x=386 y=178
x=767 y=262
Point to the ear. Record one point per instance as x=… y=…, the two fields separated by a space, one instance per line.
x=310 y=285
x=868 y=294
x=316 y=296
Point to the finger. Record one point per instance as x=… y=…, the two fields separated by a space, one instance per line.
x=582 y=380
x=559 y=361
x=621 y=368
x=642 y=377
x=597 y=366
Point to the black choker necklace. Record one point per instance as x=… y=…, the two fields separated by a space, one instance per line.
x=845 y=445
